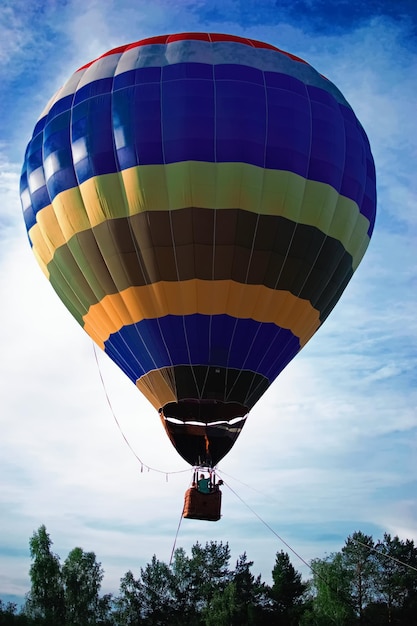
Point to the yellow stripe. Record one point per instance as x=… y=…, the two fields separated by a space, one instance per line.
x=158 y=387
x=206 y=297
x=199 y=184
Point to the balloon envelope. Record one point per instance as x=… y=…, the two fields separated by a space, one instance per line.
x=199 y=203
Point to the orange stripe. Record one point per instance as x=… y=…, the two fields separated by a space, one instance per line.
x=205 y=297
x=157 y=387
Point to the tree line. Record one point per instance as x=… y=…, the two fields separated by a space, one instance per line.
x=367 y=582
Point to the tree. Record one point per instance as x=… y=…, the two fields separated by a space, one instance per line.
x=359 y=560
x=45 y=602
x=287 y=590
x=82 y=577
x=9 y=615
x=331 y=603
x=128 y=605
x=156 y=593
x=397 y=579
x=221 y=608
x=409 y=609
x=241 y=602
x=105 y=610
x=197 y=579
x=183 y=589
x=209 y=570
x=251 y=597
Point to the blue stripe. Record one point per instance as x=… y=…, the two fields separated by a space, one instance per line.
x=60 y=106
x=196 y=111
x=220 y=340
x=57 y=155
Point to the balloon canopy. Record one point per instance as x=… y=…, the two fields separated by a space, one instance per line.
x=199 y=203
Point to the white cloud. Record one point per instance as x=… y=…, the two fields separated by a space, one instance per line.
x=330 y=447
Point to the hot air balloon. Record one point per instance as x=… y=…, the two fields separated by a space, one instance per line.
x=199 y=202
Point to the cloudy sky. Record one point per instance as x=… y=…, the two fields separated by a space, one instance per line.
x=332 y=446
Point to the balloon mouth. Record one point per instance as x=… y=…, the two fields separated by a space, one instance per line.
x=203 y=431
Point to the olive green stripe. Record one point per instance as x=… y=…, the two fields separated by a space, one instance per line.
x=155 y=188
x=218 y=245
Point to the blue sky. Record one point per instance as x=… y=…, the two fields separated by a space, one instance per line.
x=332 y=446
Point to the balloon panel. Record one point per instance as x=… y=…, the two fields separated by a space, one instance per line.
x=199 y=203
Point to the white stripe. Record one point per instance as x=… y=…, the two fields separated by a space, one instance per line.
x=67 y=89
x=194 y=51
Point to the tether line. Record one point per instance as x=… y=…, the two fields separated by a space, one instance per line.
x=143 y=465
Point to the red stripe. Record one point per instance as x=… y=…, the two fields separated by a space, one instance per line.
x=166 y=39
x=181 y=36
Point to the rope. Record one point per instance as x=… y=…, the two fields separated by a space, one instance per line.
x=269 y=527
x=387 y=556
x=335 y=590
x=134 y=453
x=262 y=493
x=176 y=536
x=142 y=464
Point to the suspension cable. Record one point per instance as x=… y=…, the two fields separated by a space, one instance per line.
x=318 y=575
x=176 y=536
x=387 y=556
x=142 y=464
x=268 y=526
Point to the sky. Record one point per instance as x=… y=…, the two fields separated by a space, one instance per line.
x=331 y=448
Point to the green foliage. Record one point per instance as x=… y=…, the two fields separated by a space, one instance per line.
x=209 y=570
x=10 y=616
x=252 y=595
x=359 y=560
x=128 y=605
x=396 y=582
x=239 y=599
x=45 y=602
x=67 y=595
x=287 y=590
x=81 y=576
x=221 y=609
x=330 y=584
x=156 y=595
x=367 y=582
